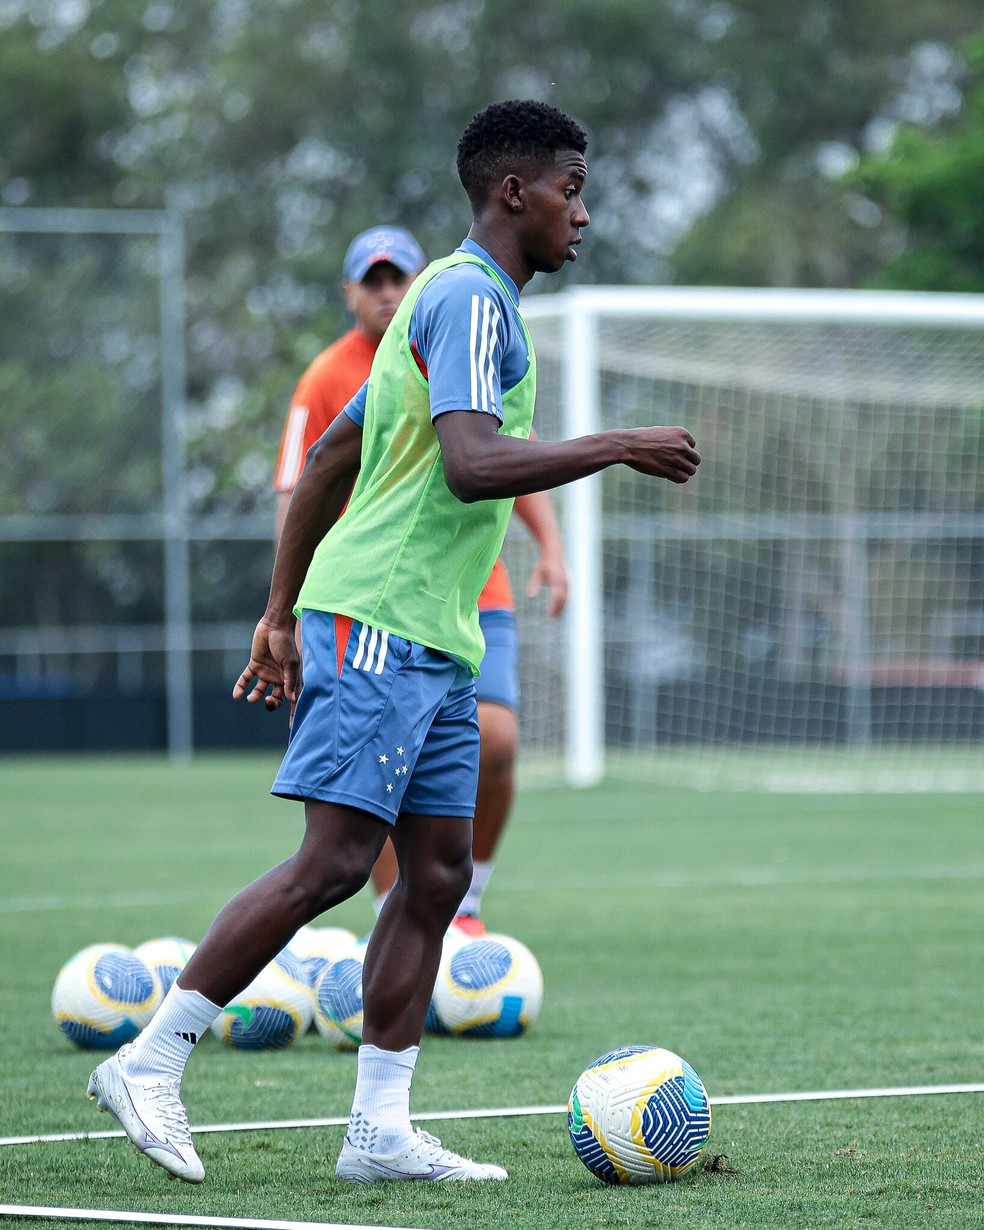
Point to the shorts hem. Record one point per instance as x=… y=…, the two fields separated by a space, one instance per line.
x=294 y=790
x=449 y=813
x=502 y=701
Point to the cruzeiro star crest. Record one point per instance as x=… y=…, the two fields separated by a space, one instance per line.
x=394 y=767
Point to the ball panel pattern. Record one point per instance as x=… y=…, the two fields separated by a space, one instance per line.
x=166 y=957
x=338 y=1009
x=639 y=1115
x=272 y=1012
x=486 y=988
x=103 y=997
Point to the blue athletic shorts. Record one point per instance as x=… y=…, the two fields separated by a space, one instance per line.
x=382 y=724
x=499 y=680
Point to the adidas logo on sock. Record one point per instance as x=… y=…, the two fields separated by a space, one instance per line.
x=191 y=1038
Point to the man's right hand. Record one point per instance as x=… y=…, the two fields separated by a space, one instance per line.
x=663 y=452
x=274 y=663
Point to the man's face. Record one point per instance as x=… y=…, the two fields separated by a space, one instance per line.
x=374 y=300
x=556 y=213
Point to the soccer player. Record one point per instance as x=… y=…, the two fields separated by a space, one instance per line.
x=384 y=737
x=377 y=271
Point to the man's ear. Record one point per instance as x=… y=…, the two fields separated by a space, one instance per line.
x=512 y=193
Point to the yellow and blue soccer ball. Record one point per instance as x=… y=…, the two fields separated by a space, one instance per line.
x=166 y=957
x=639 y=1114
x=272 y=1012
x=490 y=987
x=103 y=997
x=317 y=947
x=338 y=1000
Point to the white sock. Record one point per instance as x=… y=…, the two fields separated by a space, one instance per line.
x=380 y=1119
x=163 y=1046
x=472 y=902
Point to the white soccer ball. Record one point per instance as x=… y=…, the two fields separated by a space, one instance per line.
x=272 y=1012
x=317 y=947
x=338 y=1000
x=103 y=997
x=166 y=957
x=489 y=987
x=639 y=1114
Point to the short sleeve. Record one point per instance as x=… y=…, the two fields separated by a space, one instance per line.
x=356 y=408
x=459 y=332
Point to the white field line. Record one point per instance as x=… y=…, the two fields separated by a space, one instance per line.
x=509 y=1112
x=172 y=1219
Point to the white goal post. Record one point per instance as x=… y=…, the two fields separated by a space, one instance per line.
x=821 y=581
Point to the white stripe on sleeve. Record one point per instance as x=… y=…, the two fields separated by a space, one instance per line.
x=472 y=344
x=482 y=357
x=292 y=453
x=490 y=369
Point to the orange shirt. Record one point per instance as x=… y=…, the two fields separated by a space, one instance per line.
x=322 y=393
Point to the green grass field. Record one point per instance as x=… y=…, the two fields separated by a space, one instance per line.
x=779 y=941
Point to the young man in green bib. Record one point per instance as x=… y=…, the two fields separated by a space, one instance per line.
x=384 y=738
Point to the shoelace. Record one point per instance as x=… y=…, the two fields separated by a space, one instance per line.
x=447 y=1155
x=167 y=1103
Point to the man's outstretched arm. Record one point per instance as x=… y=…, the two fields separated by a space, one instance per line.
x=481 y=464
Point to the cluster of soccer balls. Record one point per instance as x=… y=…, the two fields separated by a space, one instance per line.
x=639 y=1114
x=488 y=987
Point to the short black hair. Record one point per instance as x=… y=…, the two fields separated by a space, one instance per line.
x=515 y=131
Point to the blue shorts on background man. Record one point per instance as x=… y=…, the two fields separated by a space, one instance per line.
x=498 y=681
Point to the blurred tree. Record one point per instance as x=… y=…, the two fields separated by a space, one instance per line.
x=819 y=85
x=929 y=184
x=719 y=130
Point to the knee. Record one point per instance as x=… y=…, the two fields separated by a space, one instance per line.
x=323 y=883
x=439 y=888
x=448 y=882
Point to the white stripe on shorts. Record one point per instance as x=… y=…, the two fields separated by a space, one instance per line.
x=375 y=651
x=362 y=646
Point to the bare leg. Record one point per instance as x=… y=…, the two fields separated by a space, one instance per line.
x=339 y=847
x=434 y=854
x=496 y=777
x=384 y=870
x=499 y=731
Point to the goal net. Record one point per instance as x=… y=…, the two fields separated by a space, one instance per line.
x=819 y=585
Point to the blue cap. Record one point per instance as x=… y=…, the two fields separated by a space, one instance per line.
x=382 y=243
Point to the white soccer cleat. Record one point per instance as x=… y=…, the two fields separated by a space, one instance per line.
x=424 y=1159
x=151 y=1114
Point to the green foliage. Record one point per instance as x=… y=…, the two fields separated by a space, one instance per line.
x=929 y=182
x=280 y=130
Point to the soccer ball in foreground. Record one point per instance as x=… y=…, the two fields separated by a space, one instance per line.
x=490 y=987
x=103 y=997
x=166 y=957
x=639 y=1115
x=338 y=1000
x=272 y=1012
